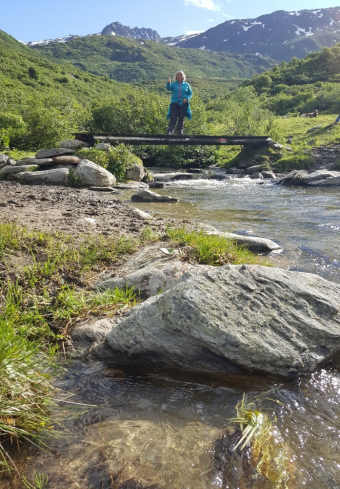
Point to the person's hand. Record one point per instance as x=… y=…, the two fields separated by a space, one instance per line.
x=185 y=100
x=169 y=79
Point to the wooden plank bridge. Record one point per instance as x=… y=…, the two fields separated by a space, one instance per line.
x=172 y=139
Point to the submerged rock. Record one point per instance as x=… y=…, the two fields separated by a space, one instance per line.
x=230 y=319
x=252 y=243
x=148 y=196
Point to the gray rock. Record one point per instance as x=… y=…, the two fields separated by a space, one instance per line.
x=317 y=178
x=235 y=317
x=183 y=176
x=256 y=175
x=132 y=185
x=156 y=185
x=252 y=243
x=35 y=161
x=92 y=174
x=4 y=159
x=44 y=177
x=295 y=177
x=143 y=216
x=150 y=280
x=268 y=174
x=105 y=189
x=254 y=169
x=73 y=144
x=103 y=146
x=8 y=170
x=135 y=172
x=62 y=165
x=50 y=153
x=148 y=196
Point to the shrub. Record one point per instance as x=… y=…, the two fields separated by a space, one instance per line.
x=294 y=162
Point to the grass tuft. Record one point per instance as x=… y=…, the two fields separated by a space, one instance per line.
x=211 y=249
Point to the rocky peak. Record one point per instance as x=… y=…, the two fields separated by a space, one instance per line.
x=117 y=29
x=279 y=35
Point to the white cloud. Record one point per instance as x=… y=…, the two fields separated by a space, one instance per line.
x=210 y=20
x=207 y=4
x=188 y=33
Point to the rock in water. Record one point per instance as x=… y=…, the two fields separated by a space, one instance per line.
x=235 y=317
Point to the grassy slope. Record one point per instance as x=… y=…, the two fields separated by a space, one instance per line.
x=303 y=85
x=150 y=63
x=16 y=59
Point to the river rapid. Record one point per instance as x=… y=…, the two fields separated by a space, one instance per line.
x=160 y=428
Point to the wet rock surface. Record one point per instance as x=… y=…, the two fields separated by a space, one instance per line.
x=233 y=318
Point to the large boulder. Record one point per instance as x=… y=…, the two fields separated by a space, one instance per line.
x=92 y=174
x=233 y=318
x=44 y=177
x=322 y=178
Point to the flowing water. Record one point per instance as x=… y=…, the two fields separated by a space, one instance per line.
x=155 y=429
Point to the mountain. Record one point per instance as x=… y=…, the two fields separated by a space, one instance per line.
x=280 y=35
x=113 y=29
x=117 y=29
x=149 y=63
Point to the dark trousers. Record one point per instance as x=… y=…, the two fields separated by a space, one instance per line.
x=177 y=112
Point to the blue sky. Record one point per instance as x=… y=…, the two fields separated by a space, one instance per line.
x=35 y=20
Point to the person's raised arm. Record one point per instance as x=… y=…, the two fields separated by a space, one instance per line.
x=169 y=84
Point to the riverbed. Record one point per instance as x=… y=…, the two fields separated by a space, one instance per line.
x=158 y=429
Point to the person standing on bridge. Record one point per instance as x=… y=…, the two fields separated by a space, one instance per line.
x=179 y=105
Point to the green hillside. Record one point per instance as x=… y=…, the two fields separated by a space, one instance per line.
x=148 y=64
x=302 y=85
x=26 y=70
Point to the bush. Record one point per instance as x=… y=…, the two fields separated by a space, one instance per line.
x=294 y=162
x=116 y=161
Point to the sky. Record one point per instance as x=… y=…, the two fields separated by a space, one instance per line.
x=36 y=20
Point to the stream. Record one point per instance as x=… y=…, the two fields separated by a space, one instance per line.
x=158 y=429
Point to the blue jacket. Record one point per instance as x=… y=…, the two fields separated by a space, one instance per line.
x=179 y=92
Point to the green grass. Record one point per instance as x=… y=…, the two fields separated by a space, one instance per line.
x=50 y=294
x=211 y=250
x=25 y=393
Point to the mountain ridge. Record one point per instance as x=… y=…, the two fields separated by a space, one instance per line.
x=279 y=35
